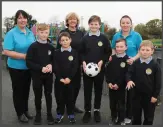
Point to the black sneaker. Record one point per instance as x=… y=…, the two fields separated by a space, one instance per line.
x=71 y=118
x=50 y=119
x=37 y=120
x=87 y=117
x=58 y=118
x=97 y=116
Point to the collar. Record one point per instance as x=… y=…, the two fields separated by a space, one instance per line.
x=69 y=49
x=147 y=61
x=41 y=41
x=97 y=33
x=121 y=55
x=18 y=30
x=130 y=33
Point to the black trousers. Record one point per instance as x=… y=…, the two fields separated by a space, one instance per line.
x=117 y=104
x=142 y=102
x=40 y=81
x=76 y=84
x=64 y=97
x=129 y=98
x=98 y=86
x=21 y=80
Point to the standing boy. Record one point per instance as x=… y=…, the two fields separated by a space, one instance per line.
x=39 y=61
x=65 y=65
x=95 y=48
x=145 y=76
x=115 y=78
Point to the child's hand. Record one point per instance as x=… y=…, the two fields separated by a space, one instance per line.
x=84 y=65
x=115 y=87
x=44 y=69
x=67 y=81
x=130 y=61
x=62 y=80
x=153 y=100
x=110 y=58
x=110 y=85
x=130 y=85
x=49 y=66
x=100 y=64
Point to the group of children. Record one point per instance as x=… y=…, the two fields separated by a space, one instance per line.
x=144 y=76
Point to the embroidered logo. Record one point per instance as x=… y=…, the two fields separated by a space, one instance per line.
x=148 y=71
x=100 y=43
x=70 y=58
x=123 y=64
x=49 y=52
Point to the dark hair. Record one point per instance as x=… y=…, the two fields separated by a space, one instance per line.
x=66 y=34
x=24 y=14
x=94 y=18
x=121 y=40
x=126 y=16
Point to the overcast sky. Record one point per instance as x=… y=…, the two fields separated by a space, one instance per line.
x=111 y=12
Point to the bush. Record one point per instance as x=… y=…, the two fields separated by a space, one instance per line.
x=157 y=43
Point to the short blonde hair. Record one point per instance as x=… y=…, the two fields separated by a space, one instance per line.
x=42 y=26
x=72 y=15
x=147 y=43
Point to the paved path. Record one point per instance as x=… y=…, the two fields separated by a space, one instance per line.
x=9 y=115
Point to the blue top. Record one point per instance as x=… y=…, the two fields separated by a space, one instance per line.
x=133 y=40
x=16 y=40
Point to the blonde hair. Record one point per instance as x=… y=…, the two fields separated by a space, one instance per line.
x=42 y=26
x=72 y=15
x=147 y=43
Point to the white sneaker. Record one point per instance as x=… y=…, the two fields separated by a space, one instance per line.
x=127 y=120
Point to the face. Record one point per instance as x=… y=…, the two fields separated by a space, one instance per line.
x=126 y=24
x=43 y=35
x=94 y=26
x=21 y=21
x=65 y=41
x=120 y=47
x=146 y=52
x=72 y=22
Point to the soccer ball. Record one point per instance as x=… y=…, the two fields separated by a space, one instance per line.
x=92 y=69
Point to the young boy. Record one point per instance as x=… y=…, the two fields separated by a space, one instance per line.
x=145 y=76
x=115 y=78
x=95 y=48
x=65 y=65
x=39 y=61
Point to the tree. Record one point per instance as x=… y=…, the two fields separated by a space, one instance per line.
x=9 y=22
x=83 y=30
x=110 y=33
x=142 y=30
x=154 y=28
x=31 y=21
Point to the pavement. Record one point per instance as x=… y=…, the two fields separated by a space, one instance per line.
x=9 y=116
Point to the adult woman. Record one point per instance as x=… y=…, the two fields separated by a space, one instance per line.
x=16 y=44
x=72 y=22
x=133 y=40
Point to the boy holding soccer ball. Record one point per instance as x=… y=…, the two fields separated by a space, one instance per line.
x=95 y=48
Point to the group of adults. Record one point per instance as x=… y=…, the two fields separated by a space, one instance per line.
x=19 y=38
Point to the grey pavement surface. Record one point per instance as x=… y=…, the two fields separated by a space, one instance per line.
x=9 y=115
